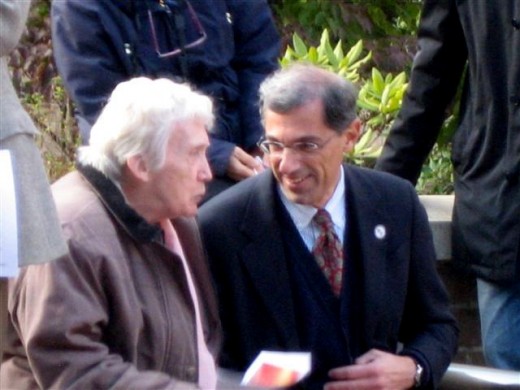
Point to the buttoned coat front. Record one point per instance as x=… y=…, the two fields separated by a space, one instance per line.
x=402 y=298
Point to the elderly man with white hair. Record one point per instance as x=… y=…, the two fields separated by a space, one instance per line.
x=131 y=306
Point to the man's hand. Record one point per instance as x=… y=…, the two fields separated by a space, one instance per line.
x=242 y=165
x=374 y=370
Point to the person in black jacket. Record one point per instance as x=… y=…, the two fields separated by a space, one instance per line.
x=384 y=318
x=481 y=38
x=224 y=48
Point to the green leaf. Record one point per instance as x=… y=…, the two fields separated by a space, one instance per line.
x=338 y=51
x=331 y=57
x=367 y=105
x=378 y=81
x=354 y=52
x=299 y=46
x=312 y=55
x=324 y=38
x=384 y=98
x=398 y=81
x=364 y=140
x=362 y=61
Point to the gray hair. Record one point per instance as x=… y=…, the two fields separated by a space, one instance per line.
x=299 y=84
x=138 y=120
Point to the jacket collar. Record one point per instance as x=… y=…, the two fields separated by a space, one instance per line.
x=115 y=202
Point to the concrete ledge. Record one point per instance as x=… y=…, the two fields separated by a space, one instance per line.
x=463 y=376
x=439 y=209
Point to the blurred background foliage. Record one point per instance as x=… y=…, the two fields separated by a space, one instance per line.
x=387 y=27
x=41 y=91
x=370 y=42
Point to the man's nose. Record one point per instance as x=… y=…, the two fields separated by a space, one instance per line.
x=289 y=160
x=205 y=174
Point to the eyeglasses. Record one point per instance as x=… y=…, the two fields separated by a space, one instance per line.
x=174 y=16
x=301 y=147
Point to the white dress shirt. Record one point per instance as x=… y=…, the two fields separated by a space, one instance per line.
x=302 y=215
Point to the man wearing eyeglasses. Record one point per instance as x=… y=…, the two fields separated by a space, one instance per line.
x=316 y=255
x=224 y=48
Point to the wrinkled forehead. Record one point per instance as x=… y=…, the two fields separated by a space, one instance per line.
x=189 y=133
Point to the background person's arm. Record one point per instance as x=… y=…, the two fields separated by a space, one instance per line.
x=436 y=74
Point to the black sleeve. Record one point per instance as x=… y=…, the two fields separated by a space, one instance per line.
x=436 y=73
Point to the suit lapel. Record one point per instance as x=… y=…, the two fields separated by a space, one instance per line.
x=264 y=258
x=368 y=227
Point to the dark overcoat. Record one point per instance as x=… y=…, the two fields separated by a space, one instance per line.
x=485 y=36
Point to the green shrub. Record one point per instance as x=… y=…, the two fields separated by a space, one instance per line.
x=437 y=173
x=347 y=20
x=382 y=97
x=346 y=65
x=387 y=27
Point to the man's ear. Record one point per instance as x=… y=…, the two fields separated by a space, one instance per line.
x=137 y=166
x=352 y=134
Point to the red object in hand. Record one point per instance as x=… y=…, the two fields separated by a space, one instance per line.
x=273 y=376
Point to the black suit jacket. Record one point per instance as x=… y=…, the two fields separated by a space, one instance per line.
x=401 y=300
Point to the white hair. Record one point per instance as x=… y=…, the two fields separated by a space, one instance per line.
x=138 y=120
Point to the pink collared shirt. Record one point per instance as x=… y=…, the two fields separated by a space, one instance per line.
x=207 y=369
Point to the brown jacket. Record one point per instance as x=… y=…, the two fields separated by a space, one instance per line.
x=116 y=312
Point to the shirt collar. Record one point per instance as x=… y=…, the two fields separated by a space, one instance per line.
x=302 y=214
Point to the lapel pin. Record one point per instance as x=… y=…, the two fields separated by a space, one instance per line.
x=380 y=232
